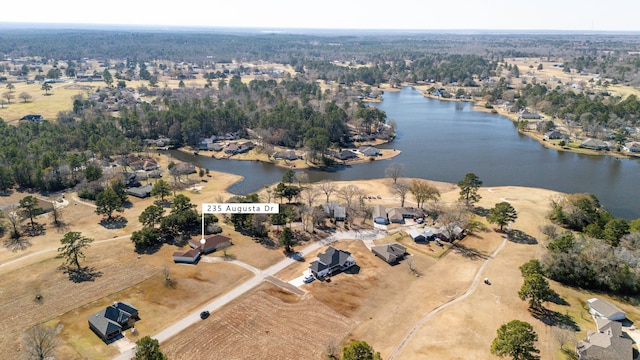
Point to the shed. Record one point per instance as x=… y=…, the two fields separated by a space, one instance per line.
x=212 y=243
x=190 y=256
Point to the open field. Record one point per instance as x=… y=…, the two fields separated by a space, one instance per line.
x=269 y=323
x=159 y=305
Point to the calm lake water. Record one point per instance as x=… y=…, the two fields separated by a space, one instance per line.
x=443 y=141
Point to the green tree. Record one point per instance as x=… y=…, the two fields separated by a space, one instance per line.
x=359 y=350
x=502 y=214
x=536 y=289
x=563 y=244
x=151 y=216
x=29 y=207
x=469 y=187
x=532 y=266
x=145 y=238
x=106 y=76
x=107 y=202
x=92 y=173
x=148 y=348
x=46 y=87
x=289 y=176
x=161 y=189
x=614 y=230
x=10 y=87
x=73 y=244
x=287 y=239
x=516 y=339
x=6 y=179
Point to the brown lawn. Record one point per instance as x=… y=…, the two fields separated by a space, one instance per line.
x=268 y=323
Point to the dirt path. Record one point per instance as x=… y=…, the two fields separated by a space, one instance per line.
x=469 y=291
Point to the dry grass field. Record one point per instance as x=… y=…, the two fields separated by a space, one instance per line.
x=269 y=323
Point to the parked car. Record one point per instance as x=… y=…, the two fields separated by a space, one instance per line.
x=309 y=279
x=205 y=314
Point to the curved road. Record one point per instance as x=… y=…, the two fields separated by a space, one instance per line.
x=466 y=294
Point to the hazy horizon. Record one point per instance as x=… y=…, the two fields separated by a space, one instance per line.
x=400 y=15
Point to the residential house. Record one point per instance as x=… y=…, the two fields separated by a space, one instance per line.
x=604 y=309
x=554 y=135
x=632 y=146
x=333 y=209
x=369 y=151
x=417 y=235
x=330 y=262
x=212 y=243
x=33 y=118
x=149 y=165
x=380 y=215
x=526 y=114
x=206 y=143
x=232 y=148
x=398 y=214
x=140 y=191
x=110 y=321
x=594 y=144
x=391 y=253
x=607 y=343
x=346 y=155
x=190 y=256
x=286 y=155
x=449 y=235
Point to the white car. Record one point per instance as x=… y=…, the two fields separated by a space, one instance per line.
x=309 y=278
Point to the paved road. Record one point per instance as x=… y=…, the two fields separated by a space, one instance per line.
x=466 y=294
x=260 y=275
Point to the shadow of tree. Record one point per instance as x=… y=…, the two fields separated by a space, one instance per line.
x=520 y=237
x=480 y=211
x=116 y=222
x=557 y=299
x=554 y=318
x=35 y=229
x=468 y=252
x=148 y=250
x=16 y=244
x=83 y=274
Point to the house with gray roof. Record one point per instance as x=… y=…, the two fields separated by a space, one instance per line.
x=333 y=209
x=607 y=343
x=595 y=144
x=603 y=309
x=554 y=135
x=330 y=262
x=391 y=253
x=110 y=321
x=633 y=147
x=140 y=191
x=380 y=215
x=286 y=155
x=369 y=151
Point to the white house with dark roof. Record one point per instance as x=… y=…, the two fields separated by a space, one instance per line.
x=330 y=262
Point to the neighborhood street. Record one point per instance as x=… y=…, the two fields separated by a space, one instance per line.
x=259 y=276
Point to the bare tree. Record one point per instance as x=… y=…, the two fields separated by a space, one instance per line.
x=14 y=216
x=563 y=335
x=56 y=215
x=40 y=342
x=168 y=280
x=347 y=193
x=328 y=188
x=401 y=188
x=422 y=191
x=310 y=195
x=394 y=171
x=453 y=216
x=301 y=178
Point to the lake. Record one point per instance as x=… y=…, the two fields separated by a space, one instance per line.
x=444 y=140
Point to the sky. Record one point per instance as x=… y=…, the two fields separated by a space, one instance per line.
x=575 y=15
